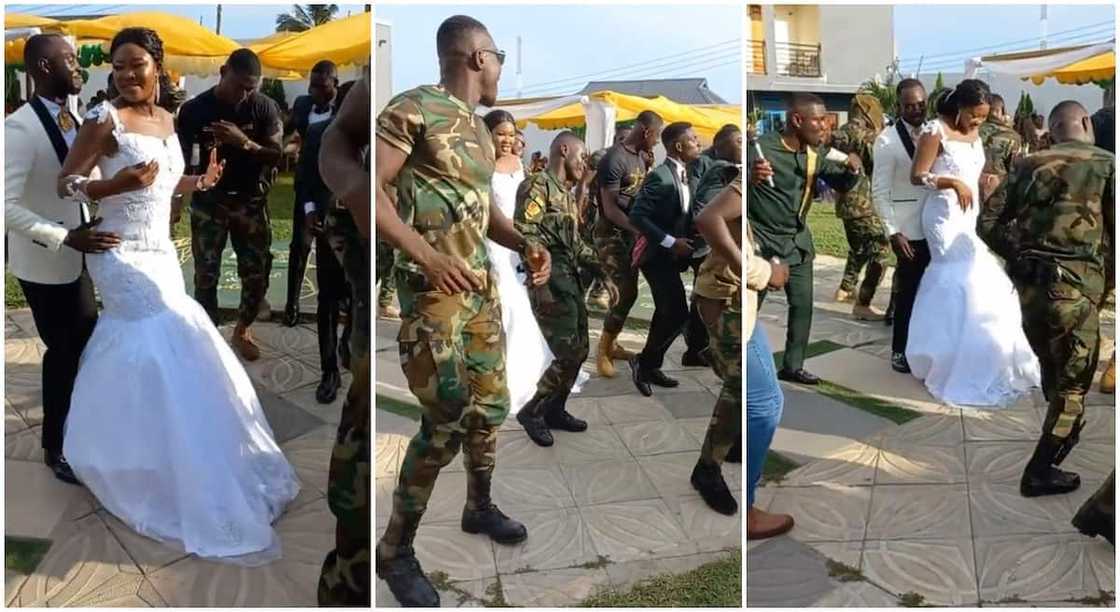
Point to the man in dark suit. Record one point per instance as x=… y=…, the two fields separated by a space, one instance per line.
x=660 y=212
x=317 y=106
x=318 y=203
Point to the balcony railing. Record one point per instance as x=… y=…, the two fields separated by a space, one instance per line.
x=798 y=59
x=756 y=57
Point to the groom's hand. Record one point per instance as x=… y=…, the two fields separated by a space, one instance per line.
x=902 y=246
x=84 y=239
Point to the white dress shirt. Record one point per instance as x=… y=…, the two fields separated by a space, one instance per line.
x=682 y=176
x=54 y=109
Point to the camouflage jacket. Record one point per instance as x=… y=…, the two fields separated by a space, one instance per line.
x=443 y=190
x=1058 y=206
x=856 y=136
x=1002 y=146
x=547 y=212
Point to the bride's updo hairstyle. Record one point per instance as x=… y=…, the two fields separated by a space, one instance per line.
x=495 y=118
x=969 y=93
x=170 y=97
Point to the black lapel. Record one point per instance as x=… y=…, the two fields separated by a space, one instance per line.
x=54 y=133
x=904 y=136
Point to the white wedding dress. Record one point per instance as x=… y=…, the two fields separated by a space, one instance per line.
x=527 y=352
x=966 y=336
x=165 y=427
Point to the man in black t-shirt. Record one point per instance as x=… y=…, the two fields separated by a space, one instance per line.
x=620 y=176
x=246 y=128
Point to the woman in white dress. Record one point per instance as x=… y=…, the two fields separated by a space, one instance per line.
x=966 y=336
x=165 y=427
x=527 y=353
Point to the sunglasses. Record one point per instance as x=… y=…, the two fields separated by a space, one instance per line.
x=501 y=55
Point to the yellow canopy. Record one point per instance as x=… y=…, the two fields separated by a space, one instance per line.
x=343 y=41
x=706 y=120
x=263 y=43
x=19 y=20
x=1097 y=68
x=181 y=36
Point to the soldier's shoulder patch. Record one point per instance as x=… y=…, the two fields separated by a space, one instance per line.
x=533 y=210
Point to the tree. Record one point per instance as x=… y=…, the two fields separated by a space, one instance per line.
x=303 y=17
x=274 y=89
x=939 y=83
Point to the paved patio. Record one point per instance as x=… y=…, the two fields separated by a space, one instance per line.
x=930 y=509
x=94 y=560
x=605 y=508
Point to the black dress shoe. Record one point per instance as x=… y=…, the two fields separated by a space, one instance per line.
x=735 y=453
x=344 y=354
x=291 y=316
x=564 y=421
x=698 y=359
x=328 y=387
x=494 y=523
x=638 y=376
x=709 y=483
x=659 y=378
x=800 y=377
x=407 y=581
x=62 y=471
x=536 y=428
x=899 y=363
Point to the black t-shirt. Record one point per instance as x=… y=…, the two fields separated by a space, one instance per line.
x=622 y=171
x=258 y=117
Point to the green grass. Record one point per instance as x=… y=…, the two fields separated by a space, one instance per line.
x=22 y=555
x=776 y=467
x=13 y=293
x=828 y=232
x=814 y=349
x=896 y=414
x=397 y=407
x=713 y=585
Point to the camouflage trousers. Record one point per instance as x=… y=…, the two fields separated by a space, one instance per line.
x=724 y=321
x=345 y=578
x=452 y=350
x=387 y=285
x=215 y=218
x=867 y=247
x=561 y=314
x=1063 y=328
x=614 y=246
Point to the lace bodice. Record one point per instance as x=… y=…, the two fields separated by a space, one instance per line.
x=145 y=214
x=951 y=232
x=964 y=160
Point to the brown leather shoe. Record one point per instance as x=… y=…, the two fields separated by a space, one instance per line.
x=762 y=525
x=1108 y=379
x=244 y=344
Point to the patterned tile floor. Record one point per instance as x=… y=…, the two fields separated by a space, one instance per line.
x=604 y=508
x=94 y=560
x=931 y=507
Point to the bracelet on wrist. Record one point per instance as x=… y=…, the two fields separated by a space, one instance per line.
x=200 y=184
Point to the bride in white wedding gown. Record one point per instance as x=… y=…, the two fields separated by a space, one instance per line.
x=527 y=353
x=966 y=336
x=165 y=427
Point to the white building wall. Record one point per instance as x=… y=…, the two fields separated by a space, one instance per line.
x=857 y=42
x=383 y=61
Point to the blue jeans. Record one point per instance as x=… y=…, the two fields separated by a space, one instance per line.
x=764 y=405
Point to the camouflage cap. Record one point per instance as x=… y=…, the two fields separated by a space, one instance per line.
x=868 y=108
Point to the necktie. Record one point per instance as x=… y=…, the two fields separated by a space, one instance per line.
x=65 y=121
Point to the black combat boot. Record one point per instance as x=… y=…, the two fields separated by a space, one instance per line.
x=708 y=481
x=494 y=523
x=530 y=417
x=1041 y=477
x=558 y=417
x=735 y=453
x=406 y=580
x=1097 y=516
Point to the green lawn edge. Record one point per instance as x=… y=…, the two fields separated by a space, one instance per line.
x=713 y=585
x=23 y=555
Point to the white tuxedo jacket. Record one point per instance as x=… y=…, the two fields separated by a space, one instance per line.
x=36 y=220
x=896 y=200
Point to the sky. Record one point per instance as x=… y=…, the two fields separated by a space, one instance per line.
x=564 y=47
x=947 y=35
x=238 y=21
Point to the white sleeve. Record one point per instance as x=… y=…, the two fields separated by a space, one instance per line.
x=882 y=174
x=18 y=160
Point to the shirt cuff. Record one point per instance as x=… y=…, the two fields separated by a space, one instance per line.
x=668 y=241
x=308 y=207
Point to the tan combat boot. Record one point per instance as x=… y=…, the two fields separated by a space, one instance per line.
x=244 y=344
x=620 y=354
x=388 y=312
x=864 y=312
x=1108 y=379
x=603 y=359
x=842 y=296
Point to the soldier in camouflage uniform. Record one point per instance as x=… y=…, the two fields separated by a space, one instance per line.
x=619 y=175
x=867 y=240
x=387 y=285
x=1002 y=147
x=547 y=212
x=344 y=166
x=719 y=300
x=588 y=193
x=1053 y=221
x=452 y=346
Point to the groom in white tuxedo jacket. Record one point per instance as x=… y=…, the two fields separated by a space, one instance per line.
x=47 y=235
x=898 y=203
